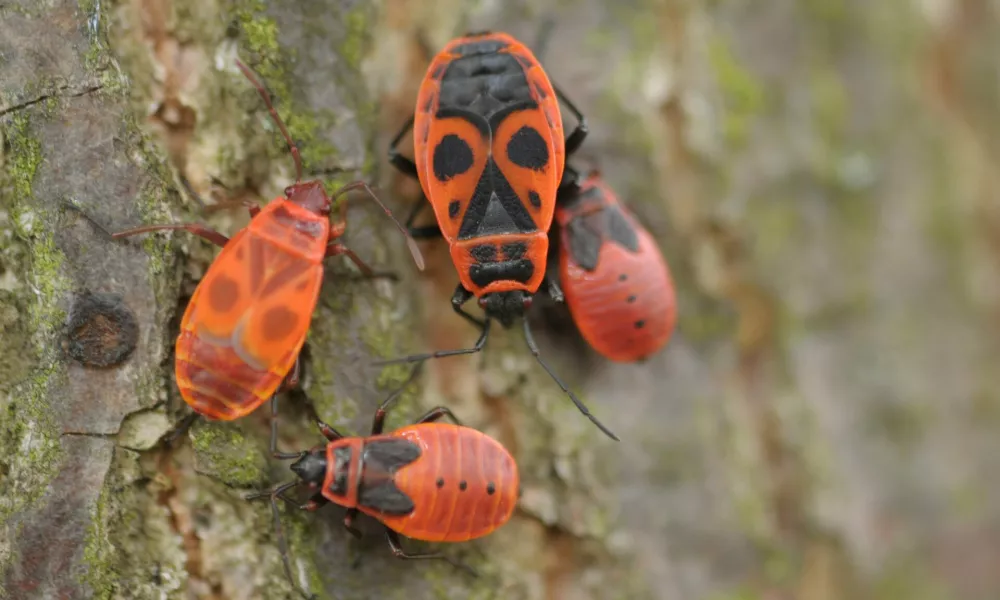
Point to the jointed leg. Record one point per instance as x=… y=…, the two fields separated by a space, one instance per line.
x=378 y=422
x=575 y=138
x=555 y=291
x=437 y=413
x=316 y=501
x=199 y=230
x=349 y=523
x=328 y=432
x=397 y=549
x=458 y=299
x=424 y=232
x=182 y=427
x=399 y=161
x=274 y=434
x=336 y=249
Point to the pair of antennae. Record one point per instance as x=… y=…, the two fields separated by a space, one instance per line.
x=262 y=91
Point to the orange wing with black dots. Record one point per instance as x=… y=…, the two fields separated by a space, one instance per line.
x=248 y=318
x=616 y=281
x=488 y=139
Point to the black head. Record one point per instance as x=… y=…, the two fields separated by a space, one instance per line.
x=505 y=307
x=310 y=195
x=312 y=467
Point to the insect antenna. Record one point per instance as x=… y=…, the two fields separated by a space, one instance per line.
x=411 y=244
x=419 y=358
x=583 y=409
x=273 y=495
x=274 y=115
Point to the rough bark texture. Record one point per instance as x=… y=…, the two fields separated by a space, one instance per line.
x=821 y=176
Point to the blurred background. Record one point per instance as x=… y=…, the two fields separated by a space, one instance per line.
x=820 y=174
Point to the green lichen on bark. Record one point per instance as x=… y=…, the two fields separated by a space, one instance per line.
x=259 y=35
x=99 y=551
x=225 y=453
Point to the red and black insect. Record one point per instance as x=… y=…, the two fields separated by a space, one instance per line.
x=617 y=283
x=489 y=153
x=247 y=320
x=430 y=481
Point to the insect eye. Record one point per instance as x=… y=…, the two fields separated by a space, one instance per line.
x=483 y=302
x=526 y=301
x=289 y=191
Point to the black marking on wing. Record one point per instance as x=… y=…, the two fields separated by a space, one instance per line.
x=452 y=156
x=388 y=455
x=584 y=244
x=620 y=230
x=386 y=498
x=381 y=459
x=527 y=149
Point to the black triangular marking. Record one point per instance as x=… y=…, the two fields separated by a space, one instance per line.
x=483 y=218
x=496 y=219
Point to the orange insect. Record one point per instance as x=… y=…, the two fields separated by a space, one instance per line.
x=429 y=481
x=247 y=320
x=616 y=281
x=489 y=153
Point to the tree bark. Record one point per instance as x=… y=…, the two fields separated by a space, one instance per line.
x=820 y=177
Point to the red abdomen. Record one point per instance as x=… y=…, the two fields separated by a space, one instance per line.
x=463 y=486
x=616 y=281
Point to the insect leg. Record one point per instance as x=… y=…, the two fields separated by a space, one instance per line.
x=583 y=409
x=405 y=165
x=328 y=432
x=378 y=422
x=397 y=549
x=182 y=427
x=199 y=230
x=437 y=413
x=555 y=291
x=336 y=249
x=416 y=358
x=274 y=434
x=575 y=138
x=424 y=232
x=315 y=501
x=349 y=523
x=459 y=298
